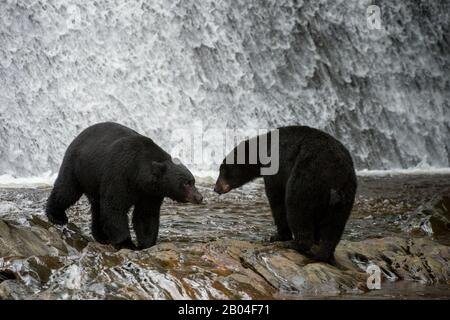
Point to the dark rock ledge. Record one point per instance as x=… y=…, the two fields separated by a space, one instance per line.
x=40 y=261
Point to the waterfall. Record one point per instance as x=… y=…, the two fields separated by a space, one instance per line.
x=159 y=66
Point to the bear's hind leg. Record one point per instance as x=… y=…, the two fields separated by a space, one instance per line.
x=146 y=221
x=65 y=193
x=331 y=230
x=328 y=242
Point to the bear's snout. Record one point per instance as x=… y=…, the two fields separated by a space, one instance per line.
x=193 y=196
x=198 y=198
x=221 y=187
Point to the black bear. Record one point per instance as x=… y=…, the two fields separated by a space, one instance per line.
x=312 y=193
x=116 y=168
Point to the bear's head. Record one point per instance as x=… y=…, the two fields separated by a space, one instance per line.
x=174 y=180
x=232 y=176
x=234 y=173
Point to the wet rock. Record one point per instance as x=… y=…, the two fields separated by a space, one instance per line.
x=44 y=262
x=418 y=259
x=14 y=290
x=35 y=240
x=242 y=282
x=70 y=233
x=432 y=218
x=289 y=272
x=6 y=275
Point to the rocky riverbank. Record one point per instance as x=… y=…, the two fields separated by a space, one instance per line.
x=208 y=252
x=43 y=262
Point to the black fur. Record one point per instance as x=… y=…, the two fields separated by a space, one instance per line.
x=117 y=168
x=313 y=192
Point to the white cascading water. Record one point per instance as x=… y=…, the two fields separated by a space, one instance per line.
x=162 y=65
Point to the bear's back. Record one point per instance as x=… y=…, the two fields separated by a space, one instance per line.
x=105 y=147
x=311 y=140
x=306 y=145
x=101 y=135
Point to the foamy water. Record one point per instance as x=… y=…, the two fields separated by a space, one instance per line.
x=161 y=66
x=209 y=177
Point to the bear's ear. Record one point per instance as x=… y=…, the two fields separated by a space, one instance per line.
x=158 y=168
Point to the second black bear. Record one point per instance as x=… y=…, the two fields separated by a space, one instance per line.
x=116 y=168
x=312 y=193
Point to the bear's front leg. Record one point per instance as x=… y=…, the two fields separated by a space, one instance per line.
x=114 y=219
x=284 y=233
x=146 y=221
x=278 y=208
x=65 y=193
